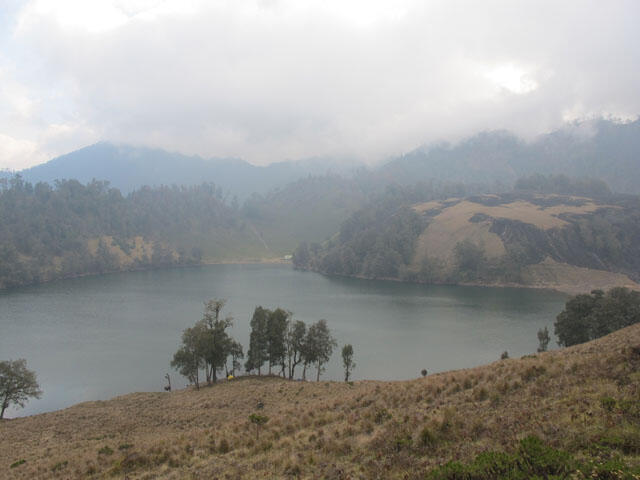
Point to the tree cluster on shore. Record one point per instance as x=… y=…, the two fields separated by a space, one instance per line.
x=277 y=342
x=594 y=315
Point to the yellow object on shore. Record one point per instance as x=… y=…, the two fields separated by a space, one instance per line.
x=230 y=377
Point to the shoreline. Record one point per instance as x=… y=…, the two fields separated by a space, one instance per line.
x=566 y=289
x=271 y=261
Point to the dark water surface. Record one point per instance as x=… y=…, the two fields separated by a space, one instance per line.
x=98 y=337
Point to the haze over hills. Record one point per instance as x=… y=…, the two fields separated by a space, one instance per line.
x=127 y=167
x=601 y=149
x=284 y=204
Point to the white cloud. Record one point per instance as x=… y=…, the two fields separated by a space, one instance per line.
x=273 y=79
x=17 y=153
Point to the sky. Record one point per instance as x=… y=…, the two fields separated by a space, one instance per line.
x=272 y=80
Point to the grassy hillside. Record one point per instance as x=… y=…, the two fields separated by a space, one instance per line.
x=582 y=401
x=571 y=243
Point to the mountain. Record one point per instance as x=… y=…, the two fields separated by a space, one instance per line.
x=569 y=413
x=127 y=168
x=570 y=243
x=601 y=149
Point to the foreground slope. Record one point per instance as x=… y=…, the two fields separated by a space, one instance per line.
x=583 y=399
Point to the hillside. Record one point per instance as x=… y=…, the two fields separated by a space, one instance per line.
x=69 y=229
x=600 y=149
x=580 y=400
x=569 y=243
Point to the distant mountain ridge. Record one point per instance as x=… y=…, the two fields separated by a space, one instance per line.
x=127 y=167
x=601 y=149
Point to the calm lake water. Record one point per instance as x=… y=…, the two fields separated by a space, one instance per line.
x=97 y=337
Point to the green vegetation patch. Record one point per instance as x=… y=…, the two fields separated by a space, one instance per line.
x=22 y=461
x=533 y=459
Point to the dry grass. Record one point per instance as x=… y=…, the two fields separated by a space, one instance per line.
x=452 y=224
x=336 y=430
x=572 y=279
x=139 y=249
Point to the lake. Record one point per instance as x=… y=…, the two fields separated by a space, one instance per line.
x=97 y=337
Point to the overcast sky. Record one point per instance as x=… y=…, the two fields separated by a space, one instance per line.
x=272 y=80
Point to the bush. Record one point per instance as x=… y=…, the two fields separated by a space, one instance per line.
x=586 y=317
x=224 y=446
x=18 y=463
x=532 y=459
x=106 y=450
x=59 y=466
x=381 y=416
x=428 y=438
x=532 y=372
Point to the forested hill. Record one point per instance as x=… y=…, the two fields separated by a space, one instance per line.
x=68 y=228
x=599 y=149
x=572 y=243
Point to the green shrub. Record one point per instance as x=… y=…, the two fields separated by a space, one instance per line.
x=59 y=466
x=106 y=450
x=532 y=460
x=18 y=463
x=381 y=416
x=608 y=404
x=428 y=438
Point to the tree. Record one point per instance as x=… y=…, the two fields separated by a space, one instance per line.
x=470 y=259
x=216 y=342
x=320 y=345
x=586 y=317
x=543 y=339
x=573 y=323
x=296 y=332
x=277 y=322
x=258 y=421
x=206 y=345
x=189 y=359
x=17 y=384
x=257 y=353
x=347 y=361
x=236 y=353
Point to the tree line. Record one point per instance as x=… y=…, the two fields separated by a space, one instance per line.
x=278 y=344
x=45 y=230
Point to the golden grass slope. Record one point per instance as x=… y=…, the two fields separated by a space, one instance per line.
x=452 y=224
x=366 y=430
x=571 y=279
